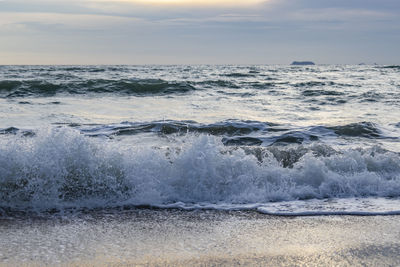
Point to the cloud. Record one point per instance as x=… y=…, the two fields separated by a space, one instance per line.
x=56 y=22
x=189 y=2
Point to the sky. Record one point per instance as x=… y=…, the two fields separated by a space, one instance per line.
x=199 y=31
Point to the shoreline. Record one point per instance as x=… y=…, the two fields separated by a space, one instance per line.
x=156 y=237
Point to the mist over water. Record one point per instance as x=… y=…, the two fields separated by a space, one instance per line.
x=324 y=138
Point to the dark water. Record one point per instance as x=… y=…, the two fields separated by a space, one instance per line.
x=278 y=139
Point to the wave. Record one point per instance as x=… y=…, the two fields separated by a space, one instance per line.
x=60 y=168
x=69 y=83
x=225 y=128
x=373 y=206
x=23 y=88
x=236 y=131
x=231 y=132
x=362 y=129
x=218 y=83
x=391 y=67
x=321 y=93
x=311 y=84
x=238 y=75
x=9 y=130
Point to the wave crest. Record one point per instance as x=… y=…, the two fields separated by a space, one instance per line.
x=62 y=168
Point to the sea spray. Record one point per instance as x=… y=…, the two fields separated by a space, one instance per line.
x=61 y=168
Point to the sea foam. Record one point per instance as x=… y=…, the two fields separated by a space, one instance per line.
x=60 y=168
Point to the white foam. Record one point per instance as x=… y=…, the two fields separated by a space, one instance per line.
x=345 y=206
x=60 y=168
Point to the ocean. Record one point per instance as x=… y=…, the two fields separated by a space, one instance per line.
x=274 y=139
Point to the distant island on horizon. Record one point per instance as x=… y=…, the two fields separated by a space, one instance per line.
x=302 y=63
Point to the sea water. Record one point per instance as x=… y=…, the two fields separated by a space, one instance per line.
x=285 y=140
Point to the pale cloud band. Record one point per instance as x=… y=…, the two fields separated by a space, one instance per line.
x=190 y=2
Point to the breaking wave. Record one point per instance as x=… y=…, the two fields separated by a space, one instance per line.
x=60 y=168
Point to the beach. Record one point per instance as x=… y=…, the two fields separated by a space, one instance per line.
x=156 y=237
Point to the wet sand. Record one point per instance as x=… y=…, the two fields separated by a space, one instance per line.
x=147 y=237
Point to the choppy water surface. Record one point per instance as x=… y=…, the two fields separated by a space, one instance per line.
x=279 y=139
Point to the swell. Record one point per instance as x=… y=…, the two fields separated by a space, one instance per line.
x=231 y=132
x=362 y=129
x=23 y=88
x=60 y=168
x=392 y=67
x=311 y=84
x=67 y=84
x=226 y=128
x=235 y=132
